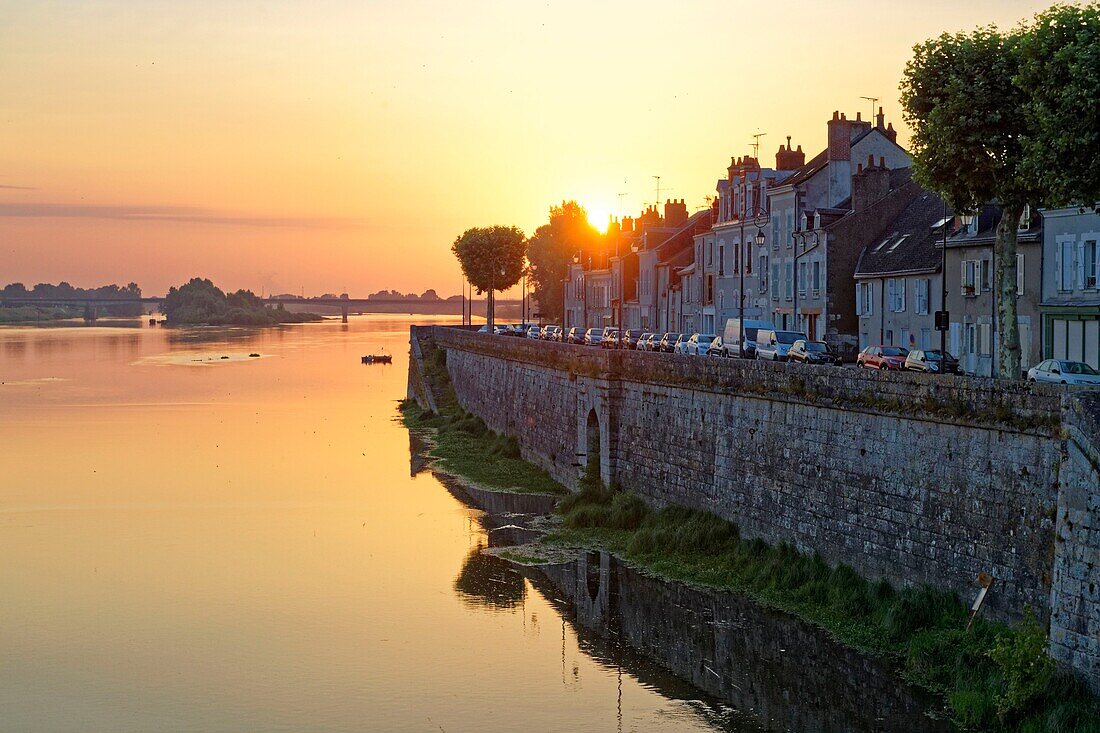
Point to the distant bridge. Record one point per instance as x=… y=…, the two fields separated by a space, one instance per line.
x=346 y=305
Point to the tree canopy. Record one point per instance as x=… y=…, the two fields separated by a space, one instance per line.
x=552 y=247
x=492 y=259
x=200 y=302
x=1059 y=71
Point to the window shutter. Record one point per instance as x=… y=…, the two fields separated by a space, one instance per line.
x=890 y=293
x=871 y=298
x=963 y=269
x=901 y=296
x=1019 y=273
x=859 y=299
x=1058 y=267
x=1079 y=268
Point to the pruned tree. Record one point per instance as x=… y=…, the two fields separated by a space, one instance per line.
x=970 y=120
x=552 y=247
x=1060 y=73
x=492 y=259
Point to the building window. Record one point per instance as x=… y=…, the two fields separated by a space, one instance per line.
x=1091 y=269
x=721 y=259
x=801 y=279
x=817 y=278
x=865 y=298
x=788 y=277
x=985 y=340
x=775 y=280
x=969 y=277
x=775 y=231
x=924 y=288
x=987 y=275
x=1019 y=274
x=763 y=273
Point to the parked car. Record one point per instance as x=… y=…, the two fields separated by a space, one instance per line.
x=574 y=335
x=696 y=344
x=882 y=357
x=1063 y=371
x=932 y=361
x=775 y=345
x=667 y=344
x=550 y=333
x=643 y=343
x=717 y=348
x=631 y=337
x=593 y=337
x=610 y=338
x=731 y=336
x=533 y=332
x=813 y=352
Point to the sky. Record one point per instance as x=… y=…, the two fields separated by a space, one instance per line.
x=341 y=146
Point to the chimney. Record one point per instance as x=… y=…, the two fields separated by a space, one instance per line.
x=675 y=213
x=869 y=185
x=892 y=133
x=628 y=224
x=787 y=159
x=840 y=141
x=880 y=120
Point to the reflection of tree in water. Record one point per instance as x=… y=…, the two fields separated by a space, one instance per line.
x=211 y=335
x=486 y=581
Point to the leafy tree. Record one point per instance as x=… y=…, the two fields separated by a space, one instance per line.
x=1060 y=73
x=552 y=247
x=492 y=259
x=969 y=121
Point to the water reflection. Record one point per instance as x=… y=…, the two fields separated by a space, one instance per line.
x=488 y=581
x=791 y=675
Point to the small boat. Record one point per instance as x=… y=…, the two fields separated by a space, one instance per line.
x=377 y=359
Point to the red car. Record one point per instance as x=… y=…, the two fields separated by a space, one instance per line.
x=882 y=357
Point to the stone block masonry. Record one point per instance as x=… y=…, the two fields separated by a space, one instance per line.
x=913 y=478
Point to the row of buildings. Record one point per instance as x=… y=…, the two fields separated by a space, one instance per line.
x=849 y=249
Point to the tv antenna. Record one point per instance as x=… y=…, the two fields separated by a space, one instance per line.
x=621 y=204
x=873 y=101
x=756 y=144
x=658 y=191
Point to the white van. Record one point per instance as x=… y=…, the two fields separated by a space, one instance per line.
x=731 y=337
x=775 y=345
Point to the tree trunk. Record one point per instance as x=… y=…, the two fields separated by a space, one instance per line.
x=490 y=311
x=1008 y=331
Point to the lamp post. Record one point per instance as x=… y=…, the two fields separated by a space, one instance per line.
x=759 y=220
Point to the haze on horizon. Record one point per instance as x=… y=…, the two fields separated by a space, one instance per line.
x=341 y=146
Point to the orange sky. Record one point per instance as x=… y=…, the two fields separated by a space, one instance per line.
x=339 y=146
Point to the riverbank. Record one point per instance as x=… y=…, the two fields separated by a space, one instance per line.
x=992 y=677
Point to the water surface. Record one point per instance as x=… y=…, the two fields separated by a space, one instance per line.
x=193 y=543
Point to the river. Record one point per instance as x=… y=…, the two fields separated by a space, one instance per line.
x=195 y=543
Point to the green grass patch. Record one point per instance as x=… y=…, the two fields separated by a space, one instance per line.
x=522 y=557
x=993 y=677
x=465 y=446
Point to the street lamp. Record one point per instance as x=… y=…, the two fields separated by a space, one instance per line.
x=759 y=220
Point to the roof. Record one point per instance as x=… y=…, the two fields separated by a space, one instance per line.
x=682 y=237
x=809 y=170
x=909 y=244
x=988 y=218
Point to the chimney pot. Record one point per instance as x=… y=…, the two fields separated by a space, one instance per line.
x=836 y=115
x=882 y=162
x=859 y=169
x=859 y=116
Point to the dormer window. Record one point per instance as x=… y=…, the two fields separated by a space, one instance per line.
x=970 y=224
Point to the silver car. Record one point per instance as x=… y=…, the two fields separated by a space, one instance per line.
x=1063 y=371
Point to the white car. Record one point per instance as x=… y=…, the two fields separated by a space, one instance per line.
x=698 y=344
x=1063 y=371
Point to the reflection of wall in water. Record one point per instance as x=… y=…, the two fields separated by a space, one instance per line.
x=790 y=674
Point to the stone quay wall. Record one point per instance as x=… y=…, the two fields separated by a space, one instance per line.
x=913 y=478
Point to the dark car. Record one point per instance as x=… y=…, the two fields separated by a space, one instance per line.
x=932 y=361
x=668 y=342
x=610 y=339
x=574 y=335
x=813 y=352
x=882 y=357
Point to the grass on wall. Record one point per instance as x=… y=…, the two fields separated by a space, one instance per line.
x=465 y=446
x=992 y=678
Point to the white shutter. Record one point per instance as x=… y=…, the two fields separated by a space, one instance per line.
x=901 y=296
x=1019 y=273
x=1079 y=268
x=1058 y=266
x=859 y=299
x=962 y=270
x=890 y=293
x=870 y=298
